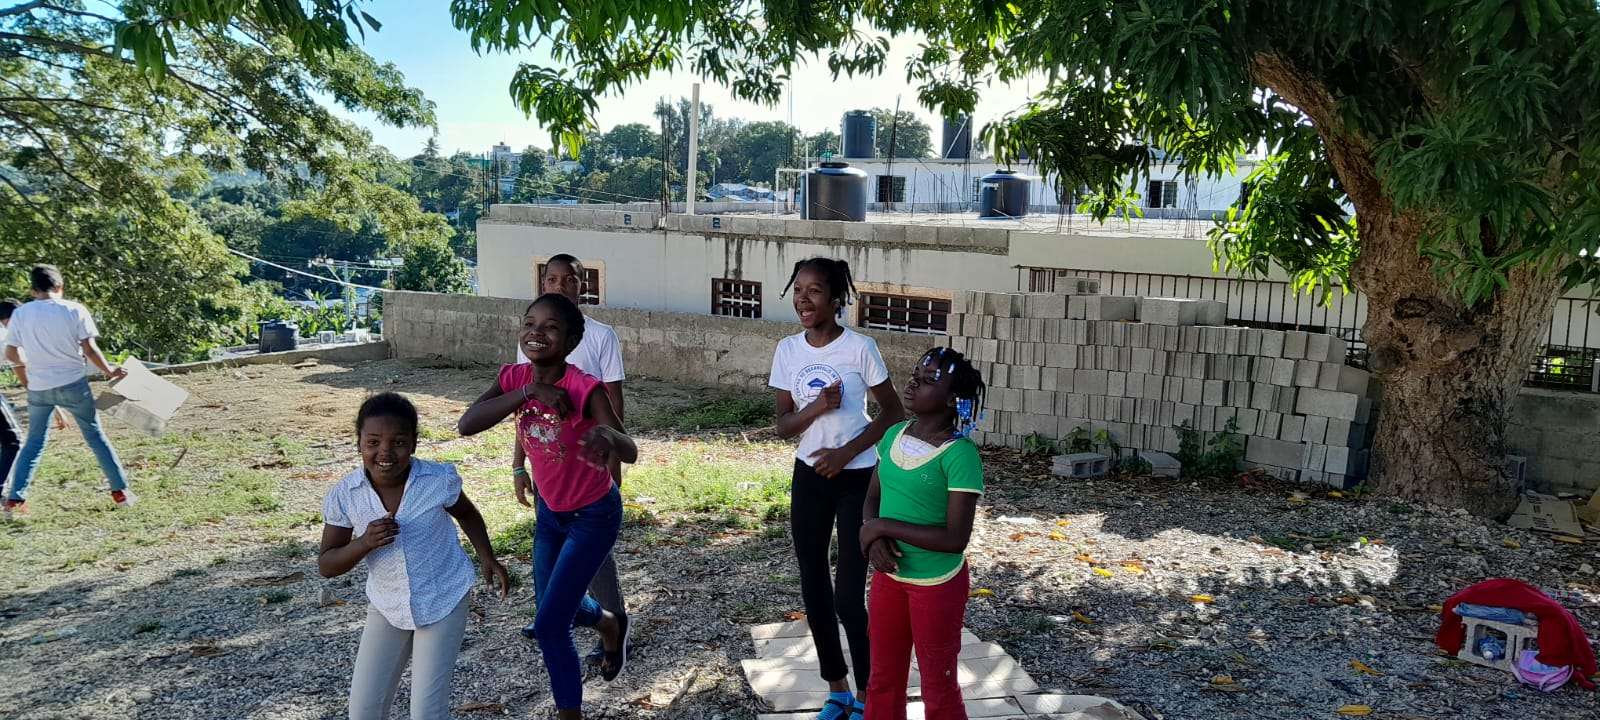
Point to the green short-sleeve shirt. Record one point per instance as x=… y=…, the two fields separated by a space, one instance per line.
x=916 y=490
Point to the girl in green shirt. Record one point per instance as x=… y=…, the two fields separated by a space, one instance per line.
x=918 y=519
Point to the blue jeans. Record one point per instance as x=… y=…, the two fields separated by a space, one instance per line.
x=568 y=548
x=77 y=400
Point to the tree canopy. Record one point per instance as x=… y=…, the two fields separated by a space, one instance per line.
x=911 y=137
x=1459 y=131
x=110 y=116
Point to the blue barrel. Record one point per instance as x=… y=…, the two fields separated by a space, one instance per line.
x=278 y=336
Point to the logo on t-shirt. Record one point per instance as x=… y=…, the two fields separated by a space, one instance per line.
x=810 y=381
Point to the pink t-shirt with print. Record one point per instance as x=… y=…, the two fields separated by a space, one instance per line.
x=565 y=482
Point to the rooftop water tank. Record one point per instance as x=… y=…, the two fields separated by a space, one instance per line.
x=859 y=134
x=957 y=140
x=1004 y=194
x=834 y=191
x=278 y=336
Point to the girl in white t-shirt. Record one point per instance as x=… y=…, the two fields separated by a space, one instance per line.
x=822 y=377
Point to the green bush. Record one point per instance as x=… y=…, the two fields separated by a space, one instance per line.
x=1214 y=457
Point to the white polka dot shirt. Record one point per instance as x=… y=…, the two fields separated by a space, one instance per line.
x=419 y=578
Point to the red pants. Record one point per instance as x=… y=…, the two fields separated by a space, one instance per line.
x=901 y=616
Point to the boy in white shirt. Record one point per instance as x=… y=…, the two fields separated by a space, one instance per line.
x=47 y=342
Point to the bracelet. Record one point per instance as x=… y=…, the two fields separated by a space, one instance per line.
x=518 y=471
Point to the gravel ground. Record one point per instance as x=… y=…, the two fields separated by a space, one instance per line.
x=1089 y=586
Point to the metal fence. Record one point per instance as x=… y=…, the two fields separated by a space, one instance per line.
x=1566 y=358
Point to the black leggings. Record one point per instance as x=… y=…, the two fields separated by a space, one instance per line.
x=815 y=503
x=10 y=440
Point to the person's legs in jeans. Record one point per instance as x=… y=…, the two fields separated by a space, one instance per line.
x=549 y=537
x=10 y=440
x=379 y=662
x=607 y=587
x=587 y=536
x=937 y=612
x=39 y=409
x=433 y=661
x=850 y=580
x=811 y=509
x=78 y=400
x=891 y=649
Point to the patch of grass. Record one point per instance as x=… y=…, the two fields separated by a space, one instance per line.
x=291 y=550
x=289 y=520
x=704 y=478
x=219 y=560
x=774 y=532
x=146 y=626
x=512 y=540
x=732 y=412
x=1400 y=508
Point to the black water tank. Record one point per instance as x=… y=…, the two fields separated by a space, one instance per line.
x=1004 y=195
x=859 y=134
x=957 y=140
x=834 y=191
x=278 y=336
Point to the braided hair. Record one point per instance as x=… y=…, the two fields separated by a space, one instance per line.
x=841 y=286
x=966 y=385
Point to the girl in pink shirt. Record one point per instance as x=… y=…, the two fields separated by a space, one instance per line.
x=571 y=435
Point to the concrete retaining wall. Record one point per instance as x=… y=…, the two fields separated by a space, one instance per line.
x=1558 y=433
x=671 y=346
x=1555 y=430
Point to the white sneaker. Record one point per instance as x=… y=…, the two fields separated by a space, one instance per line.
x=124 y=498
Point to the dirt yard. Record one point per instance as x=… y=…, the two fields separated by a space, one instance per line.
x=1180 y=600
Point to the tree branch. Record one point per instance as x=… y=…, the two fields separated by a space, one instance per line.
x=45 y=145
x=24 y=8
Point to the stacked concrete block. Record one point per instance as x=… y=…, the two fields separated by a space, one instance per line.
x=1140 y=368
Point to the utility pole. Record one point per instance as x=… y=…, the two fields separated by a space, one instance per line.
x=694 y=148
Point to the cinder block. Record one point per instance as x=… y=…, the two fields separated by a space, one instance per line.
x=1211 y=312
x=1327 y=403
x=1046 y=305
x=1077 y=404
x=1090 y=382
x=1316 y=428
x=1314 y=457
x=1305 y=373
x=1077 y=307
x=1252 y=342
x=1189 y=339
x=1365 y=408
x=1263 y=397
x=1353 y=380
x=1038 y=402
x=1138 y=334
x=1142 y=360
x=1233 y=340
x=1269 y=425
x=1057 y=355
x=1167 y=311
x=1185 y=413
x=1267 y=451
x=1343 y=433
x=1337 y=460
x=1292 y=428
x=1282 y=373
x=1212 y=392
x=1193 y=391
x=1110 y=307
x=1116 y=383
x=1325 y=348
x=1241 y=368
x=1328 y=375
x=1272 y=342
x=1294 y=344
x=1286 y=400
x=1162 y=464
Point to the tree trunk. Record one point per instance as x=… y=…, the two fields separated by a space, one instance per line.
x=1448 y=373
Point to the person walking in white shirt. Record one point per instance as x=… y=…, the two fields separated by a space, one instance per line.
x=47 y=342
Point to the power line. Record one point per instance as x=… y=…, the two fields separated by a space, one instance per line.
x=286 y=268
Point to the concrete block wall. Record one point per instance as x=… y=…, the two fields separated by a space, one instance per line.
x=1140 y=368
x=682 y=347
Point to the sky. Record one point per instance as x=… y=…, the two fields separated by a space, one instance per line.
x=475 y=111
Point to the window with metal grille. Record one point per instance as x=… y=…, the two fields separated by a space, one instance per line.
x=891 y=189
x=1041 y=281
x=1163 y=194
x=589 y=294
x=921 y=315
x=736 y=298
